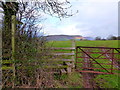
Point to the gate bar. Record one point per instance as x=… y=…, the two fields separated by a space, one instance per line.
x=93 y=59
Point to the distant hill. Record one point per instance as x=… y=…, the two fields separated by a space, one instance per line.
x=66 y=37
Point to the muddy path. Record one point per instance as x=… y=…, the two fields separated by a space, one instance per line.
x=88 y=80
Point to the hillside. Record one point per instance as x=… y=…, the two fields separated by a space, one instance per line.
x=66 y=37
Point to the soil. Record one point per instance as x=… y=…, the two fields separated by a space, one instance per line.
x=88 y=81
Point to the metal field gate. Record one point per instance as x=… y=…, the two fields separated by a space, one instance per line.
x=103 y=60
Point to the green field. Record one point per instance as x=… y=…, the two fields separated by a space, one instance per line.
x=107 y=43
x=104 y=81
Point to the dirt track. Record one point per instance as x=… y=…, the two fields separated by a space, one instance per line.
x=88 y=81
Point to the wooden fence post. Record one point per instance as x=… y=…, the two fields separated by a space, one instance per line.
x=73 y=51
x=13 y=46
x=73 y=43
x=0 y=57
x=71 y=65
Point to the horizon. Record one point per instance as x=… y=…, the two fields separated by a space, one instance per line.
x=80 y=35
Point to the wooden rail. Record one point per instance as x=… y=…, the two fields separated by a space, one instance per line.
x=59 y=48
x=68 y=54
x=67 y=64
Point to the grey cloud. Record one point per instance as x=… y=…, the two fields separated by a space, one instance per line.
x=94 y=18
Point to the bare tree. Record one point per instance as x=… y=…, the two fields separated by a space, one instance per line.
x=55 y=7
x=29 y=13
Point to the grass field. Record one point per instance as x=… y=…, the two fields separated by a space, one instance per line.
x=107 y=43
x=104 y=81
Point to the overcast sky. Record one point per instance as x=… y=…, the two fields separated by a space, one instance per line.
x=95 y=18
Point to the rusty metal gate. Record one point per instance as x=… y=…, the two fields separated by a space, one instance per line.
x=103 y=60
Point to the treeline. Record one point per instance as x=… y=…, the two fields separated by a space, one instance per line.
x=108 y=38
